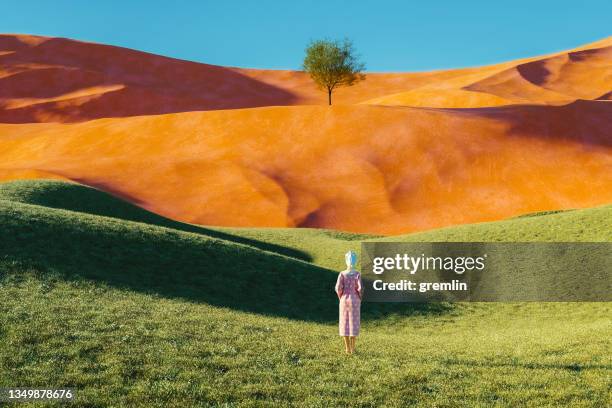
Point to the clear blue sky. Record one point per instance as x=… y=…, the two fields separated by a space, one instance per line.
x=390 y=35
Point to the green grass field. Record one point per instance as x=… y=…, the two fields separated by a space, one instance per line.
x=132 y=309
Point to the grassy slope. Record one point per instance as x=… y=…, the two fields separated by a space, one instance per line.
x=588 y=225
x=129 y=312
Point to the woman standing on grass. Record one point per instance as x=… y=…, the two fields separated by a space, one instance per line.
x=348 y=289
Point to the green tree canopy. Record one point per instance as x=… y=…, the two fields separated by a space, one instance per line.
x=332 y=64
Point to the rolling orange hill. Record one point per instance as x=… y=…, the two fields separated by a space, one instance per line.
x=396 y=153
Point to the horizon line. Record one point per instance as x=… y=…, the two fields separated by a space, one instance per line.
x=545 y=55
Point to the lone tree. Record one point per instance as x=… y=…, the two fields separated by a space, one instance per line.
x=332 y=63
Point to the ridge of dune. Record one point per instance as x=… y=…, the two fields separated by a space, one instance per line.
x=77 y=97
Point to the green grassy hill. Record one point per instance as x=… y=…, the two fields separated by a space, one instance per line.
x=134 y=309
x=83 y=199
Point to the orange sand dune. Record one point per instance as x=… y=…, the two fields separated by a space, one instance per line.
x=583 y=73
x=61 y=80
x=358 y=168
x=200 y=143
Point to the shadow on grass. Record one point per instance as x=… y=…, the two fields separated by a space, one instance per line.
x=146 y=259
x=575 y=367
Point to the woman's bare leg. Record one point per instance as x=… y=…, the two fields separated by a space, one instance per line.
x=347 y=344
x=352 y=342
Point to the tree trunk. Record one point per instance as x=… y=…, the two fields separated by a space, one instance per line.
x=329 y=91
